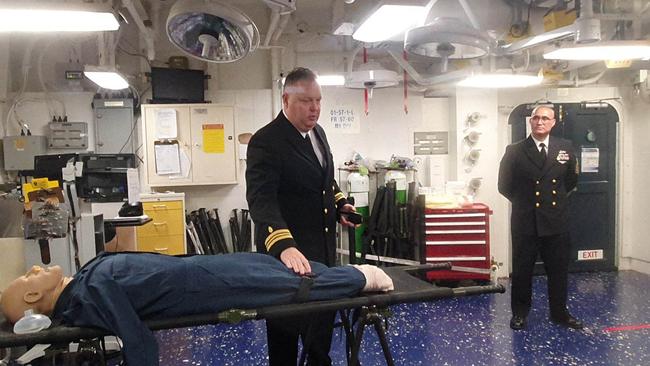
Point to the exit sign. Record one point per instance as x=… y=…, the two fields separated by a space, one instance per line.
x=588 y=255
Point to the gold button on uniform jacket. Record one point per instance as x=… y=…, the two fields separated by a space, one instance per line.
x=538 y=188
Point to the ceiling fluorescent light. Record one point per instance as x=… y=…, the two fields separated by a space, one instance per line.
x=501 y=80
x=330 y=80
x=106 y=77
x=390 y=20
x=39 y=19
x=608 y=50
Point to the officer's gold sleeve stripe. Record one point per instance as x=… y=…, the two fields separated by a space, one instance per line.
x=277 y=236
x=339 y=196
x=276 y=233
x=270 y=243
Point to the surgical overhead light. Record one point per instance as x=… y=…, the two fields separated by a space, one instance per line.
x=606 y=50
x=370 y=76
x=390 y=20
x=446 y=38
x=106 y=77
x=501 y=79
x=33 y=16
x=211 y=31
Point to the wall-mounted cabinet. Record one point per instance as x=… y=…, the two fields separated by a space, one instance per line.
x=188 y=144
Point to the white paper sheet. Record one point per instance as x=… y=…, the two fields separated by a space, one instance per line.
x=185 y=166
x=133 y=184
x=166 y=124
x=167 y=159
x=590 y=160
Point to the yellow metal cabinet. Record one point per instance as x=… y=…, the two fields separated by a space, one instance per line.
x=199 y=137
x=166 y=232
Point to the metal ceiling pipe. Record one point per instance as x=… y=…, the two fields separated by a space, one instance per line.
x=276 y=91
x=351 y=56
x=132 y=6
x=438 y=79
x=273 y=22
x=588 y=26
x=576 y=82
x=470 y=14
x=283 y=23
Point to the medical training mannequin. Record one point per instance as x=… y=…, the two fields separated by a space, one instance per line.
x=115 y=290
x=38 y=289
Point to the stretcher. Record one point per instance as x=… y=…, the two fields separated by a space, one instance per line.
x=370 y=310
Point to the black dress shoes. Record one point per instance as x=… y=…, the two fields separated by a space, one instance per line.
x=569 y=322
x=518 y=322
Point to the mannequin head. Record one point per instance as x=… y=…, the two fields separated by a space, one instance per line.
x=38 y=289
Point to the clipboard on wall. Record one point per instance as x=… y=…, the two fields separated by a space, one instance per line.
x=167 y=157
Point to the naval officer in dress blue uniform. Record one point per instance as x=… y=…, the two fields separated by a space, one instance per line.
x=536 y=175
x=295 y=204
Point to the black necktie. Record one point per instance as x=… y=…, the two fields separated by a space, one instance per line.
x=308 y=144
x=309 y=148
x=542 y=152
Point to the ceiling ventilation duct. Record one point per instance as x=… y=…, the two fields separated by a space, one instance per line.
x=446 y=38
x=211 y=31
x=370 y=76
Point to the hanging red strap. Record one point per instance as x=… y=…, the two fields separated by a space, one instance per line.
x=365 y=90
x=365 y=101
x=406 y=82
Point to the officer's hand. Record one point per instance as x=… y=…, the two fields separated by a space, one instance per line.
x=293 y=259
x=347 y=208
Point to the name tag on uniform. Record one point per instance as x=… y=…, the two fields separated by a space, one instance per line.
x=562 y=157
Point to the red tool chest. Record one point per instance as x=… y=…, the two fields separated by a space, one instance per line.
x=460 y=236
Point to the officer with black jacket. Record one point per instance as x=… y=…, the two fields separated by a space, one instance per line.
x=295 y=204
x=536 y=175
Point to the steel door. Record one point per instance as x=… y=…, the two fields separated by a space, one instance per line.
x=592 y=128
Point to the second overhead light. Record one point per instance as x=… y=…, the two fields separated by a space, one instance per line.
x=370 y=76
x=446 y=38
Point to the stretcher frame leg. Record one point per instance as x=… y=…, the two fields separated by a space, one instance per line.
x=377 y=317
x=347 y=328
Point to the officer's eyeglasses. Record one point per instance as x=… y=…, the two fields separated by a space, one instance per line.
x=543 y=118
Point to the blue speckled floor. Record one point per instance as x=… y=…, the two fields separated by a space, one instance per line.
x=466 y=331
